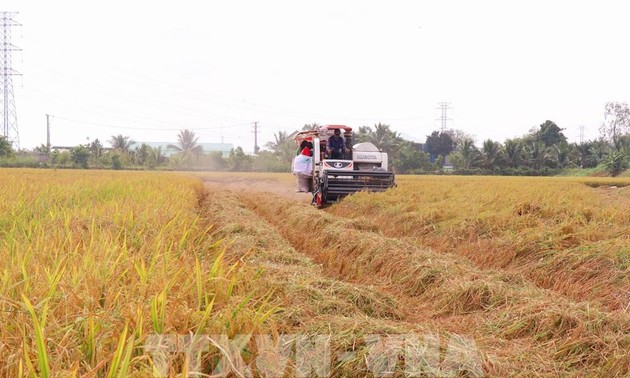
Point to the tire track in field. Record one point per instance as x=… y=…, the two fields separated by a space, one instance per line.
x=449 y=289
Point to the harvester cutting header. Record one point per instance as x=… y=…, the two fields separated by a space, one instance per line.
x=340 y=168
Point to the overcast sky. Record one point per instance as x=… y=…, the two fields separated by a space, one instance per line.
x=147 y=69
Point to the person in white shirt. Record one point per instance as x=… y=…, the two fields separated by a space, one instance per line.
x=303 y=170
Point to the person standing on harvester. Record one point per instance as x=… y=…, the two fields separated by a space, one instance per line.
x=336 y=145
x=303 y=170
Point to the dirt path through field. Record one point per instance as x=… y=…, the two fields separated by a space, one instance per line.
x=279 y=184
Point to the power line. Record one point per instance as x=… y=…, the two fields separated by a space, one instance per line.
x=162 y=105
x=112 y=126
x=110 y=113
x=220 y=99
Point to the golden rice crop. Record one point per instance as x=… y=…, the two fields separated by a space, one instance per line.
x=93 y=262
x=566 y=234
x=410 y=242
x=442 y=286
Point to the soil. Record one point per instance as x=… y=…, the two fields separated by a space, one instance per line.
x=280 y=186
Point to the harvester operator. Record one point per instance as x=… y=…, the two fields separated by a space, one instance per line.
x=336 y=145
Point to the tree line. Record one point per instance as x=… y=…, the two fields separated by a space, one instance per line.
x=544 y=150
x=122 y=154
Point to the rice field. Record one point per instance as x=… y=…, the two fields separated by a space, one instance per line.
x=117 y=274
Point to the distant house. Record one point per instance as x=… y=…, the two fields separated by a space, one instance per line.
x=223 y=148
x=69 y=148
x=61 y=148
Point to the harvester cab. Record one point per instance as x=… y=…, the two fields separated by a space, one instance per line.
x=358 y=167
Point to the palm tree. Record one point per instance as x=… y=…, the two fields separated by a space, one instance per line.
x=381 y=136
x=282 y=146
x=142 y=154
x=588 y=155
x=187 y=145
x=513 y=152
x=492 y=152
x=120 y=143
x=281 y=138
x=469 y=155
x=538 y=155
x=562 y=154
x=384 y=138
x=156 y=157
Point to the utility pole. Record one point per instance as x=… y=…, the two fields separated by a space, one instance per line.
x=48 y=132
x=444 y=107
x=9 y=114
x=581 y=134
x=256 y=148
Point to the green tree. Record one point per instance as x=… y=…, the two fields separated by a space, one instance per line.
x=362 y=134
x=60 y=158
x=592 y=153
x=537 y=155
x=440 y=143
x=491 y=153
x=267 y=161
x=586 y=156
x=410 y=159
x=282 y=146
x=117 y=163
x=120 y=143
x=382 y=136
x=513 y=152
x=143 y=153
x=156 y=157
x=187 y=146
x=42 y=149
x=616 y=162
x=5 y=147
x=468 y=156
x=459 y=137
x=563 y=155
x=623 y=142
x=550 y=134
x=216 y=161
x=96 y=149
x=238 y=161
x=79 y=156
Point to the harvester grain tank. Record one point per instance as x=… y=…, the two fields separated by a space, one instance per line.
x=362 y=166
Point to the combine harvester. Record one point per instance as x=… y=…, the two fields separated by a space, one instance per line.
x=362 y=168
